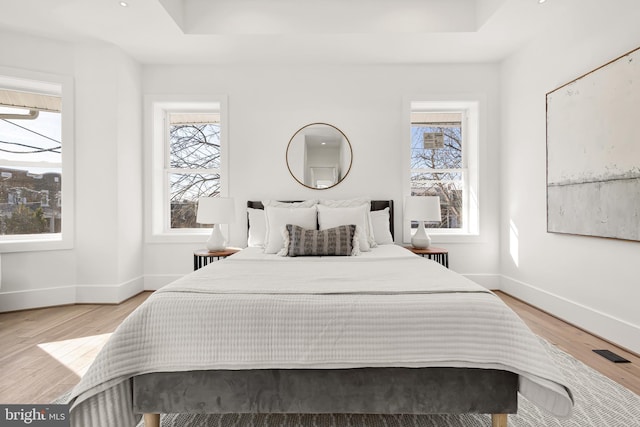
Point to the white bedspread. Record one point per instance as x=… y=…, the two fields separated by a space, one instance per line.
x=252 y=311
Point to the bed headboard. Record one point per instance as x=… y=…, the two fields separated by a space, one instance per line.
x=376 y=205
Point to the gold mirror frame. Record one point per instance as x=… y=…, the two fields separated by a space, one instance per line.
x=319 y=156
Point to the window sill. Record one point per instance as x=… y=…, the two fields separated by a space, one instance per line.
x=35 y=244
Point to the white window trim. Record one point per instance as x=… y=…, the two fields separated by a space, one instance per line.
x=474 y=107
x=37 y=81
x=156 y=192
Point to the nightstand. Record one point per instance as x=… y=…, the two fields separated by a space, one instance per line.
x=440 y=255
x=202 y=257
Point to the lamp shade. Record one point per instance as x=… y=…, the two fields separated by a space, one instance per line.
x=215 y=210
x=422 y=208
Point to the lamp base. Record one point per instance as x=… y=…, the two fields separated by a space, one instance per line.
x=216 y=241
x=421 y=239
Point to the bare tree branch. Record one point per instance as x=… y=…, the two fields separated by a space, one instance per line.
x=444 y=184
x=192 y=146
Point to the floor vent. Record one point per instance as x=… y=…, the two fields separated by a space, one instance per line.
x=610 y=355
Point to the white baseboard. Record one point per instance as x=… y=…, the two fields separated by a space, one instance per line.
x=64 y=295
x=82 y=294
x=109 y=294
x=610 y=328
x=37 y=298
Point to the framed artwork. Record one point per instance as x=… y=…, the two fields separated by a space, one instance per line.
x=593 y=152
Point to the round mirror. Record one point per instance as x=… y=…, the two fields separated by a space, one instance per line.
x=319 y=156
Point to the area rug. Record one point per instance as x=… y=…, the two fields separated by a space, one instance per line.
x=599 y=402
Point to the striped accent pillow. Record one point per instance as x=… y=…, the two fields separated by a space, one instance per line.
x=341 y=240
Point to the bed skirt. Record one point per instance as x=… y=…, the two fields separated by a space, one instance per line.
x=360 y=390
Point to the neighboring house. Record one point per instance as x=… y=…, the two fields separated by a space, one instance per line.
x=19 y=188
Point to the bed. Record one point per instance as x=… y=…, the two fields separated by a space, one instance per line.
x=384 y=332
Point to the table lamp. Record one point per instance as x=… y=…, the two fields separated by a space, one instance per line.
x=422 y=208
x=216 y=211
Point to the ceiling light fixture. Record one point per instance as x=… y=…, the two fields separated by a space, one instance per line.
x=124 y=4
x=541 y=1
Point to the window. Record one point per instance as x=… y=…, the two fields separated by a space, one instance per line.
x=193 y=164
x=437 y=164
x=443 y=146
x=35 y=164
x=188 y=155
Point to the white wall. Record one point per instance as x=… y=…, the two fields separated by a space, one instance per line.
x=25 y=275
x=267 y=104
x=105 y=263
x=592 y=282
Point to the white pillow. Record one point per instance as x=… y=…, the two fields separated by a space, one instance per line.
x=258 y=223
x=257 y=228
x=278 y=218
x=333 y=217
x=350 y=203
x=380 y=225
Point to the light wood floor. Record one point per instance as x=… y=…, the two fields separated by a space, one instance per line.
x=44 y=352
x=579 y=344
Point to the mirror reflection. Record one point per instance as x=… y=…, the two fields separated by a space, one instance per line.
x=319 y=156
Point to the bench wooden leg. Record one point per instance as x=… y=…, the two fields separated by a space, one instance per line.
x=498 y=420
x=153 y=420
